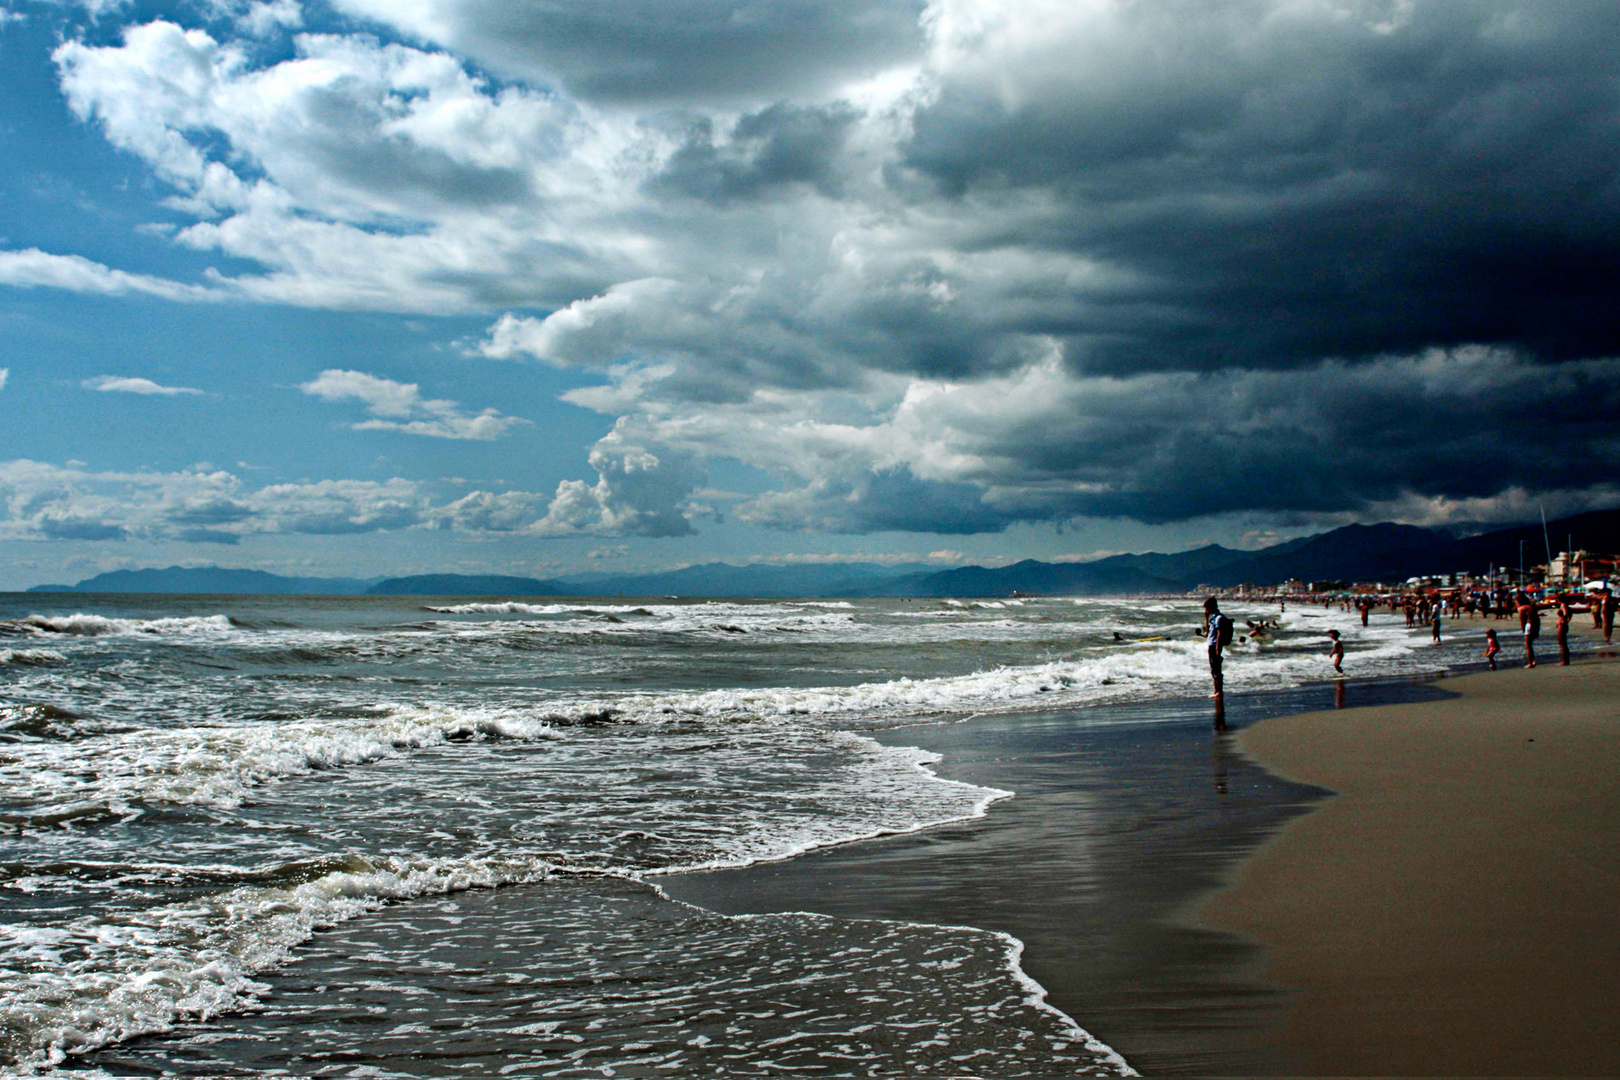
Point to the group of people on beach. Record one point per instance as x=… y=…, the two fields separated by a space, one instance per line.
x=1429 y=610
x=1602 y=606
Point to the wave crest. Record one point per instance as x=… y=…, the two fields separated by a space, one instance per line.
x=81 y=624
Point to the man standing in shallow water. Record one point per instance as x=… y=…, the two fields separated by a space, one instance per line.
x=1212 y=638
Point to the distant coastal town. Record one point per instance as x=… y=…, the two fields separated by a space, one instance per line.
x=1566 y=572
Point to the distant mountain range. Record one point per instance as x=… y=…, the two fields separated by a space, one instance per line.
x=711 y=579
x=1386 y=552
x=211 y=579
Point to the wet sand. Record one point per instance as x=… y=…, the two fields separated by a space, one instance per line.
x=1453 y=909
x=1124 y=817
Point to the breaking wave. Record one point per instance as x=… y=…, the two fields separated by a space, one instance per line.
x=218 y=766
x=31 y=657
x=80 y=624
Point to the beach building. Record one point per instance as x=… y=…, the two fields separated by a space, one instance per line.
x=1578 y=567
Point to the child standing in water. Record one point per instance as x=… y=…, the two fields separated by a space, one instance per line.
x=1564 y=616
x=1492 y=647
x=1336 y=653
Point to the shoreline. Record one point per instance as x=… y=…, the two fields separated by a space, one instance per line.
x=1124 y=816
x=1449 y=909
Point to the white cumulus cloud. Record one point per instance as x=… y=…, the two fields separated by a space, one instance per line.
x=42 y=501
x=32 y=268
x=129 y=384
x=397 y=406
x=640 y=491
x=264 y=17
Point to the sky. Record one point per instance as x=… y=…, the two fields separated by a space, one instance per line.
x=374 y=287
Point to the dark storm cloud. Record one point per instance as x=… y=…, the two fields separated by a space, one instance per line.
x=431 y=179
x=1286 y=189
x=778 y=147
x=207 y=536
x=60 y=528
x=1403 y=436
x=881 y=500
x=206 y=512
x=1331 y=438
x=678 y=51
x=1158 y=259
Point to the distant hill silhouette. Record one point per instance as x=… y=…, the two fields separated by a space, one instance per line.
x=709 y=579
x=754 y=579
x=1105 y=576
x=1385 y=552
x=209 y=579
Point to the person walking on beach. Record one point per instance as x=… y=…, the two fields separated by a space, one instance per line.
x=1564 y=616
x=1217 y=635
x=1435 y=620
x=1610 y=602
x=1530 y=623
x=1492 y=647
x=1336 y=653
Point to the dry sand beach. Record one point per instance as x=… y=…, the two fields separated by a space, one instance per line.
x=1453 y=909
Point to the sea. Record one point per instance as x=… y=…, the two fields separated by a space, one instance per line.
x=406 y=836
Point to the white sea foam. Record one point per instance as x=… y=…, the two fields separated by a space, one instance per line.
x=659 y=618
x=899 y=779
x=1160 y=669
x=694 y=994
x=219 y=766
x=105 y=980
x=506 y=607
x=1035 y=997
x=80 y=624
x=1131 y=671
